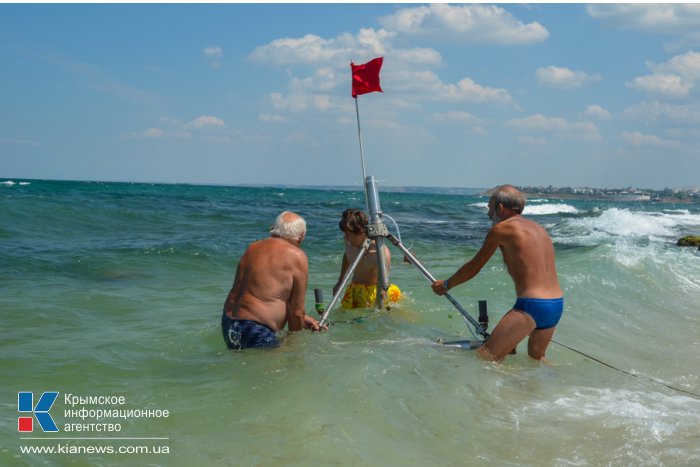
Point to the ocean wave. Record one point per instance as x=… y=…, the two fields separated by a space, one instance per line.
x=649 y=415
x=677 y=211
x=544 y=209
x=617 y=223
x=7 y=183
x=540 y=209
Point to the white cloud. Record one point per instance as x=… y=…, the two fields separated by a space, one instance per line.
x=312 y=49
x=687 y=66
x=324 y=64
x=657 y=17
x=467 y=89
x=154 y=133
x=655 y=110
x=308 y=49
x=300 y=102
x=475 y=24
x=673 y=79
x=428 y=84
x=417 y=56
x=213 y=52
x=206 y=121
x=323 y=79
x=454 y=116
x=558 y=125
x=597 y=111
x=564 y=78
x=661 y=84
x=637 y=139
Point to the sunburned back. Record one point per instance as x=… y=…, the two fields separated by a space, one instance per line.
x=265 y=282
x=529 y=256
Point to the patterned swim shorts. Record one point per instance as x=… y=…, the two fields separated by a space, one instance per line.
x=244 y=334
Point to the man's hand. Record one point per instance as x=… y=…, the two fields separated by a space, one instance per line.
x=439 y=287
x=310 y=323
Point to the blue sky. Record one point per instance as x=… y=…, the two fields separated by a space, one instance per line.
x=474 y=95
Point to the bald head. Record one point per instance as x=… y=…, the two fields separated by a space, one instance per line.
x=290 y=226
x=510 y=197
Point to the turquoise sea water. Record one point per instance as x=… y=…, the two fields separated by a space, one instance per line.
x=116 y=290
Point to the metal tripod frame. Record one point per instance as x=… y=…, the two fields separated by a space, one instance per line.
x=377 y=231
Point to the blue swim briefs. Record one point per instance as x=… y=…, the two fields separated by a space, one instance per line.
x=244 y=334
x=545 y=311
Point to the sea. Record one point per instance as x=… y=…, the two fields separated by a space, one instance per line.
x=112 y=352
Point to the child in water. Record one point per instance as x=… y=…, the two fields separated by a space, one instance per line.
x=362 y=291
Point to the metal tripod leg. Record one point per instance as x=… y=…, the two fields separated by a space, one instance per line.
x=467 y=317
x=346 y=279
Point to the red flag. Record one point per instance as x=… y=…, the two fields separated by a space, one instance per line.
x=365 y=78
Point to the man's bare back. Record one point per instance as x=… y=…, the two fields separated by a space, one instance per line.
x=269 y=289
x=271 y=274
x=528 y=253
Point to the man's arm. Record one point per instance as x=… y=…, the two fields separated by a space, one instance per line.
x=473 y=266
x=295 y=306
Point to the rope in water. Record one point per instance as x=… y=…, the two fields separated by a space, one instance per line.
x=697 y=396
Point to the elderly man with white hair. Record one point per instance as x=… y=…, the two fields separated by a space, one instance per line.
x=269 y=289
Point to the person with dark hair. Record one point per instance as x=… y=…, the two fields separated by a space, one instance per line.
x=362 y=291
x=269 y=289
x=529 y=256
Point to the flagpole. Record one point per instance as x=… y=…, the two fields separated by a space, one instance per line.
x=362 y=152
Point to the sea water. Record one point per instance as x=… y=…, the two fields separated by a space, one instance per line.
x=111 y=295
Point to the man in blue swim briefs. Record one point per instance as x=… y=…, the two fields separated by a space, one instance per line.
x=529 y=256
x=269 y=289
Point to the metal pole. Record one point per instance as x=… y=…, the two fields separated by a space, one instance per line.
x=362 y=151
x=346 y=279
x=376 y=230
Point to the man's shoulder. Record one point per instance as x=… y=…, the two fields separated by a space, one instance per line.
x=283 y=247
x=513 y=226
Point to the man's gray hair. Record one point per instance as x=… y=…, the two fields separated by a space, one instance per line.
x=510 y=197
x=289 y=225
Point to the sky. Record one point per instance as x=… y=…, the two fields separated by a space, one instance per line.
x=474 y=95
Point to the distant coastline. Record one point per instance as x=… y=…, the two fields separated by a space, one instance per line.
x=667 y=195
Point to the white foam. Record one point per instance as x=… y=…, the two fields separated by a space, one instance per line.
x=539 y=209
x=653 y=416
x=7 y=183
x=677 y=211
x=616 y=223
x=544 y=209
